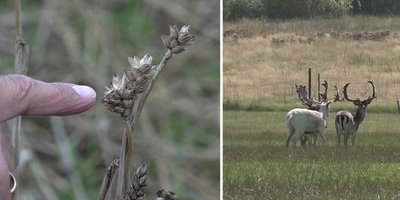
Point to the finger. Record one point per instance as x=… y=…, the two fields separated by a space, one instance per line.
x=21 y=95
x=4 y=172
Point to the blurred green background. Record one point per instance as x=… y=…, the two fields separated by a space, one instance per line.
x=86 y=42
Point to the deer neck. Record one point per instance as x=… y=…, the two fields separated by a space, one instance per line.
x=359 y=116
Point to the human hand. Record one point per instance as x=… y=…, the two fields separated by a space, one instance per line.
x=21 y=95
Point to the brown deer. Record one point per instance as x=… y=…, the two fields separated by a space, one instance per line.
x=348 y=123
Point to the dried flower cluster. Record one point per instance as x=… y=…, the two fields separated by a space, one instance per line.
x=178 y=40
x=138 y=185
x=166 y=195
x=120 y=96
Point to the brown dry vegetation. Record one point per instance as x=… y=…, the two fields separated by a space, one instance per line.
x=258 y=69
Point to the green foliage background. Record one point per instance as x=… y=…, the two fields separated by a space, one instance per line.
x=283 y=9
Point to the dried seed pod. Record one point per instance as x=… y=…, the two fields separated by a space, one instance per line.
x=114 y=102
x=166 y=195
x=173 y=31
x=127 y=104
x=166 y=40
x=178 y=39
x=145 y=69
x=173 y=43
x=138 y=184
x=122 y=93
x=178 y=49
x=116 y=109
x=126 y=113
x=132 y=74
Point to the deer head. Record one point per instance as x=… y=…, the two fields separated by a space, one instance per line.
x=303 y=97
x=314 y=105
x=357 y=102
x=323 y=105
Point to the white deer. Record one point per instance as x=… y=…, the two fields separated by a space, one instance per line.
x=304 y=124
x=301 y=120
x=346 y=122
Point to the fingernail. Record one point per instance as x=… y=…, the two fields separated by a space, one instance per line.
x=84 y=91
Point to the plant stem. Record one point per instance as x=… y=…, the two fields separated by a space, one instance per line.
x=21 y=67
x=124 y=172
x=142 y=98
x=127 y=140
x=18 y=25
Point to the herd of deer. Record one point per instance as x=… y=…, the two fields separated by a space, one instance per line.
x=306 y=124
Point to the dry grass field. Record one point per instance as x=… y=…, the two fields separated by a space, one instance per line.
x=262 y=62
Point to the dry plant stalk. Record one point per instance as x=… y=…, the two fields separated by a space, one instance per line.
x=138 y=184
x=21 y=67
x=126 y=96
x=398 y=105
x=166 y=195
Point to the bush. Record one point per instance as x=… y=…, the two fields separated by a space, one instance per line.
x=376 y=7
x=306 y=8
x=283 y=9
x=236 y=9
x=230 y=104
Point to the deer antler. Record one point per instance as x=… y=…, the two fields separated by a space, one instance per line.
x=345 y=94
x=358 y=102
x=303 y=96
x=324 y=95
x=337 y=97
x=370 y=98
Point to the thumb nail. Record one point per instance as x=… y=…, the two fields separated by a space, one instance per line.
x=84 y=91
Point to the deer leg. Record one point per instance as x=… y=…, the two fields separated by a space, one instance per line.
x=303 y=140
x=314 y=139
x=353 y=137
x=294 y=141
x=289 y=138
x=321 y=132
x=298 y=134
x=346 y=137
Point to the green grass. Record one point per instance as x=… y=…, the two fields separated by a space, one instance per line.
x=342 y=24
x=257 y=165
x=235 y=105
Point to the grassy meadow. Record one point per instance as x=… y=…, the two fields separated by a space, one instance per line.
x=257 y=70
x=259 y=78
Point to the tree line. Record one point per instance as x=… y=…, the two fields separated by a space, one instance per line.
x=286 y=9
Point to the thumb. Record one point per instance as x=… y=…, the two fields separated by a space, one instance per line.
x=4 y=170
x=21 y=95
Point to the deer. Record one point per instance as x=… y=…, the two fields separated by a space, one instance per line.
x=302 y=123
x=348 y=123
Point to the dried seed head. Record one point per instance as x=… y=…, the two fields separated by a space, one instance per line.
x=178 y=39
x=137 y=63
x=184 y=37
x=138 y=184
x=173 y=31
x=166 y=195
x=122 y=93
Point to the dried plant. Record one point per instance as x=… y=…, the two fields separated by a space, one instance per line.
x=138 y=185
x=125 y=96
x=21 y=67
x=166 y=195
